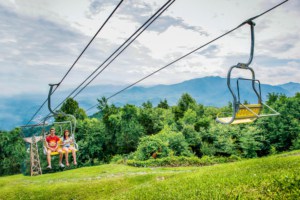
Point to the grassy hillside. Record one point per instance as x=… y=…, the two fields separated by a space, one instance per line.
x=266 y=178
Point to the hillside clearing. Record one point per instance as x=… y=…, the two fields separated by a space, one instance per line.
x=267 y=178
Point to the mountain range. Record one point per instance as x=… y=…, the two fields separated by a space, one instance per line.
x=209 y=91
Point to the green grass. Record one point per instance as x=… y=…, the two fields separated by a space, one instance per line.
x=274 y=177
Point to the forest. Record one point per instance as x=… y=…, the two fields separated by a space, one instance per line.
x=186 y=132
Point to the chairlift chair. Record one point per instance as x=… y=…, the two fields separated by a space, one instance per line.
x=69 y=124
x=245 y=113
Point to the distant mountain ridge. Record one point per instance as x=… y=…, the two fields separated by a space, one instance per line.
x=209 y=91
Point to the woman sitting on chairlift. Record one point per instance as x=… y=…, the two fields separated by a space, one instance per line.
x=67 y=146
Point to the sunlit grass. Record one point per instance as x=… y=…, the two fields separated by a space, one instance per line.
x=266 y=178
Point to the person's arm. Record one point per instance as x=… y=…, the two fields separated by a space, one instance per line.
x=71 y=140
x=51 y=148
x=58 y=140
x=46 y=141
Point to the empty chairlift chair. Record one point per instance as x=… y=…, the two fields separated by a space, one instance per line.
x=245 y=113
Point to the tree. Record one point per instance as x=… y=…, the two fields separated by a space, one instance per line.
x=130 y=130
x=189 y=118
x=70 y=106
x=91 y=141
x=175 y=140
x=151 y=119
x=111 y=118
x=106 y=110
x=163 y=104
x=203 y=122
x=272 y=98
x=150 y=146
x=163 y=144
x=12 y=152
x=222 y=139
x=112 y=129
x=103 y=104
x=251 y=141
x=185 y=102
x=193 y=138
x=284 y=129
x=147 y=105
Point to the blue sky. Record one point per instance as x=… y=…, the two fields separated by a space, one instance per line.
x=39 y=40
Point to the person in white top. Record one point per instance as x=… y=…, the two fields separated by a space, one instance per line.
x=68 y=142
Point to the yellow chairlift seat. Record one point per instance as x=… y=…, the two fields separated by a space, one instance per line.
x=60 y=146
x=246 y=114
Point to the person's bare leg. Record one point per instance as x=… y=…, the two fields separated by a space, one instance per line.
x=49 y=158
x=60 y=157
x=74 y=156
x=67 y=156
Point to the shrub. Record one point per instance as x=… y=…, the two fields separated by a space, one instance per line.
x=118 y=159
x=151 y=146
x=161 y=145
x=175 y=161
x=176 y=142
x=296 y=144
x=207 y=149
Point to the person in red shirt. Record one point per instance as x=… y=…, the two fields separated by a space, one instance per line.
x=52 y=142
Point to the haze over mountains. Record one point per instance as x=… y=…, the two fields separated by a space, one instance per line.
x=209 y=91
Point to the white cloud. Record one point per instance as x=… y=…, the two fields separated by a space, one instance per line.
x=40 y=41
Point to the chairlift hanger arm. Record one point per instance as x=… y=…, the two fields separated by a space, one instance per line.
x=246 y=65
x=49 y=97
x=54 y=113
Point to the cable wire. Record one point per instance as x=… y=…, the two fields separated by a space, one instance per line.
x=144 y=28
x=77 y=59
x=117 y=52
x=180 y=58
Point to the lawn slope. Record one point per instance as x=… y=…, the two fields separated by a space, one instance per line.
x=274 y=177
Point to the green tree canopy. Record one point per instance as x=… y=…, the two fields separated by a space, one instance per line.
x=184 y=103
x=163 y=104
x=70 y=106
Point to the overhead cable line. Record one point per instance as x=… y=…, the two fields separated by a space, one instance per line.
x=180 y=58
x=151 y=20
x=77 y=59
x=119 y=50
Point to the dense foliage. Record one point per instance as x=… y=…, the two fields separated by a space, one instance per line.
x=155 y=132
x=12 y=152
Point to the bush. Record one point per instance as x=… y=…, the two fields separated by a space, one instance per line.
x=176 y=142
x=207 y=149
x=12 y=152
x=296 y=144
x=161 y=145
x=175 y=161
x=151 y=146
x=118 y=159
